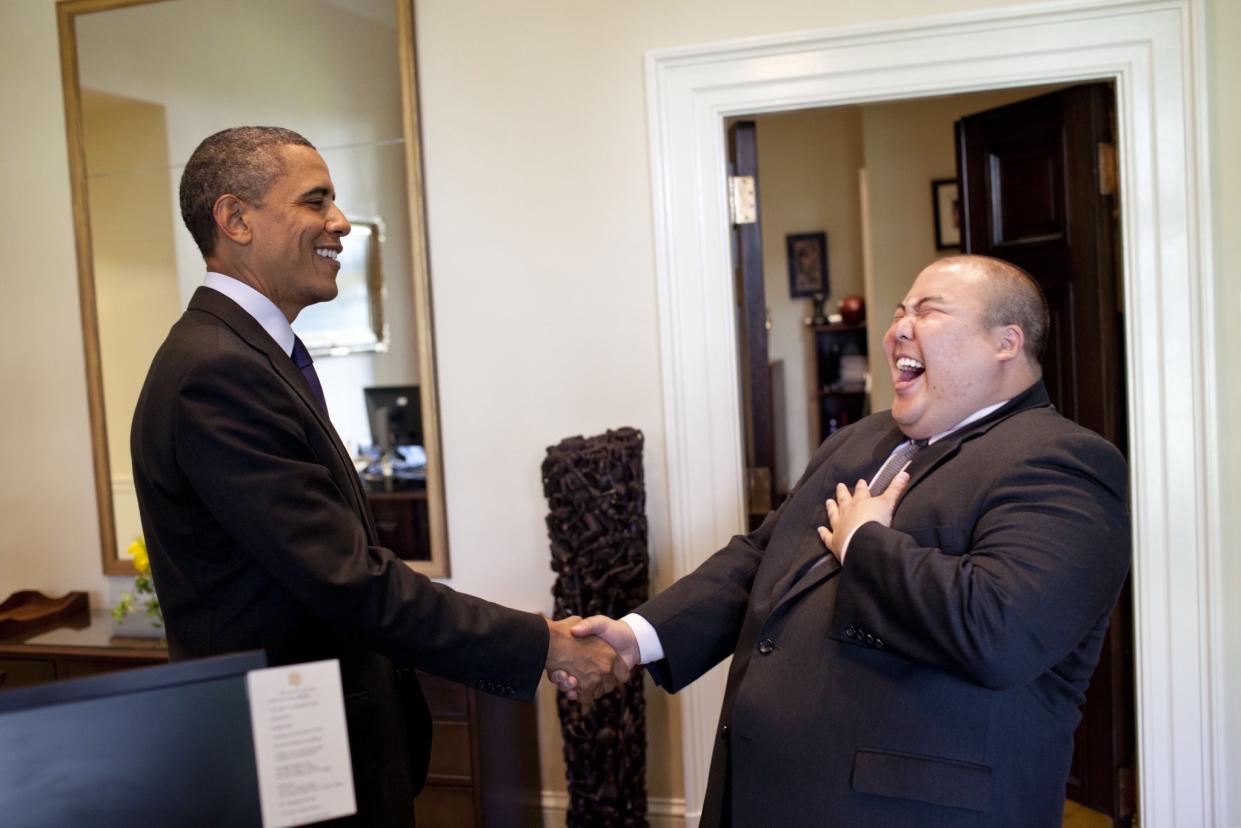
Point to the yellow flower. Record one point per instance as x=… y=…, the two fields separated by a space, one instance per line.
x=138 y=551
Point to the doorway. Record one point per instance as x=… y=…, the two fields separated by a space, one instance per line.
x=818 y=167
x=1148 y=51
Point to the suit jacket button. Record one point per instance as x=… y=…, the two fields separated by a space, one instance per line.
x=766 y=646
x=870 y=639
x=724 y=732
x=878 y=643
x=852 y=631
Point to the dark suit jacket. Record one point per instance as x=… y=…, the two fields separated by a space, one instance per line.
x=935 y=678
x=260 y=537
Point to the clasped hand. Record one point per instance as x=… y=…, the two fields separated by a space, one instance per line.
x=583 y=663
x=587 y=659
x=849 y=510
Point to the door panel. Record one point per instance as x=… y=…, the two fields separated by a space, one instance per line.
x=760 y=453
x=1033 y=193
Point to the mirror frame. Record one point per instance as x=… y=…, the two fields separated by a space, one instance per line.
x=67 y=11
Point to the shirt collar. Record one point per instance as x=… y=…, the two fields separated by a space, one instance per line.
x=256 y=304
x=977 y=415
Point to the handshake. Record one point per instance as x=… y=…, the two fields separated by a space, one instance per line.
x=587 y=659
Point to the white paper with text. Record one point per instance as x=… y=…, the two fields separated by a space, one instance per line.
x=301 y=745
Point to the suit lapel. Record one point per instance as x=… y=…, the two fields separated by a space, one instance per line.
x=944 y=449
x=924 y=463
x=252 y=333
x=817 y=573
x=808 y=566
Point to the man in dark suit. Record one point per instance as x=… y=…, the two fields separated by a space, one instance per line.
x=257 y=525
x=916 y=654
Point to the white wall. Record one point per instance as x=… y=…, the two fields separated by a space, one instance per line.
x=1224 y=68
x=807 y=164
x=136 y=293
x=542 y=259
x=49 y=536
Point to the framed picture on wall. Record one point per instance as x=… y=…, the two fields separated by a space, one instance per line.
x=945 y=198
x=807 y=254
x=354 y=321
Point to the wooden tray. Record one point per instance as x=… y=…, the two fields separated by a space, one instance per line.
x=27 y=611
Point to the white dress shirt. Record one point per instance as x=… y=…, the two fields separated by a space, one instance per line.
x=257 y=305
x=649 y=647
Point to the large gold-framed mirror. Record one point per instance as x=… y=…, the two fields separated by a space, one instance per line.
x=144 y=82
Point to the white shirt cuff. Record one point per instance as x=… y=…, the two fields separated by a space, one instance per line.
x=649 y=648
x=844 y=550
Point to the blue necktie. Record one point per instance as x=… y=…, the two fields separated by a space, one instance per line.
x=301 y=358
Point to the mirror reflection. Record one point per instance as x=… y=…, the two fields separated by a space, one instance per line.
x=154 y=79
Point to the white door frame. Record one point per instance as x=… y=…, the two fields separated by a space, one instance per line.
x=1153 y=50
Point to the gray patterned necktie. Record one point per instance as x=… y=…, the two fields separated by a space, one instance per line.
x=896 y=462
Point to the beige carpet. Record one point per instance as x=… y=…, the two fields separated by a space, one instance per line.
x=1079 y=816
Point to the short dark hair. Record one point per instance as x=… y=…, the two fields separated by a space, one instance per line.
x=1015 y=298
x=242 y=161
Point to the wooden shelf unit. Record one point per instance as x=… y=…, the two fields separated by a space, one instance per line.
x=839 y=403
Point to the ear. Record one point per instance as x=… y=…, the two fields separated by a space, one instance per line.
x=1010 y=340
x=231 y=219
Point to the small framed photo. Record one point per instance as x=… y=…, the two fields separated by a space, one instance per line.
x=354 y=320
x=807 y=264
x=944 y=195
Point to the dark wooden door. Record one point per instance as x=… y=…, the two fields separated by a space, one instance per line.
x=747 y=254
x=1038 y=189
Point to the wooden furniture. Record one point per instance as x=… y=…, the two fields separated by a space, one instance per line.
x=81 y=648
x=484 y=758
x=27 y=611
x=841 y=393
x=400 y=512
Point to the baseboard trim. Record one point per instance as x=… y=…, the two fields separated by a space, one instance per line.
x=661 y=812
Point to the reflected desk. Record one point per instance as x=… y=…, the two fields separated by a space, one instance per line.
x=399 y=506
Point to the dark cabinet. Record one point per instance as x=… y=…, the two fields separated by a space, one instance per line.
x=401 y=522
x=841 y=365
x=484 y=759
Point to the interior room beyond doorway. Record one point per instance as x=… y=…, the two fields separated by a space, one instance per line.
x=863 y=175
x=866 y=178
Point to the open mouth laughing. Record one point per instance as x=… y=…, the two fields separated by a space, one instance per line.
x=908 y=369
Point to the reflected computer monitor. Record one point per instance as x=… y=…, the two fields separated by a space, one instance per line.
x=166 y=745
x=395 y=415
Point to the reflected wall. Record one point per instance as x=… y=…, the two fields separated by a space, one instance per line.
x=155 y=78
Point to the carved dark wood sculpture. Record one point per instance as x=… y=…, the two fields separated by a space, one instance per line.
x=597 y=527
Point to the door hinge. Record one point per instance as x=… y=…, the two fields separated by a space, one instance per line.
x=1107 y=169
x=760 y=489
x=742 y=204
